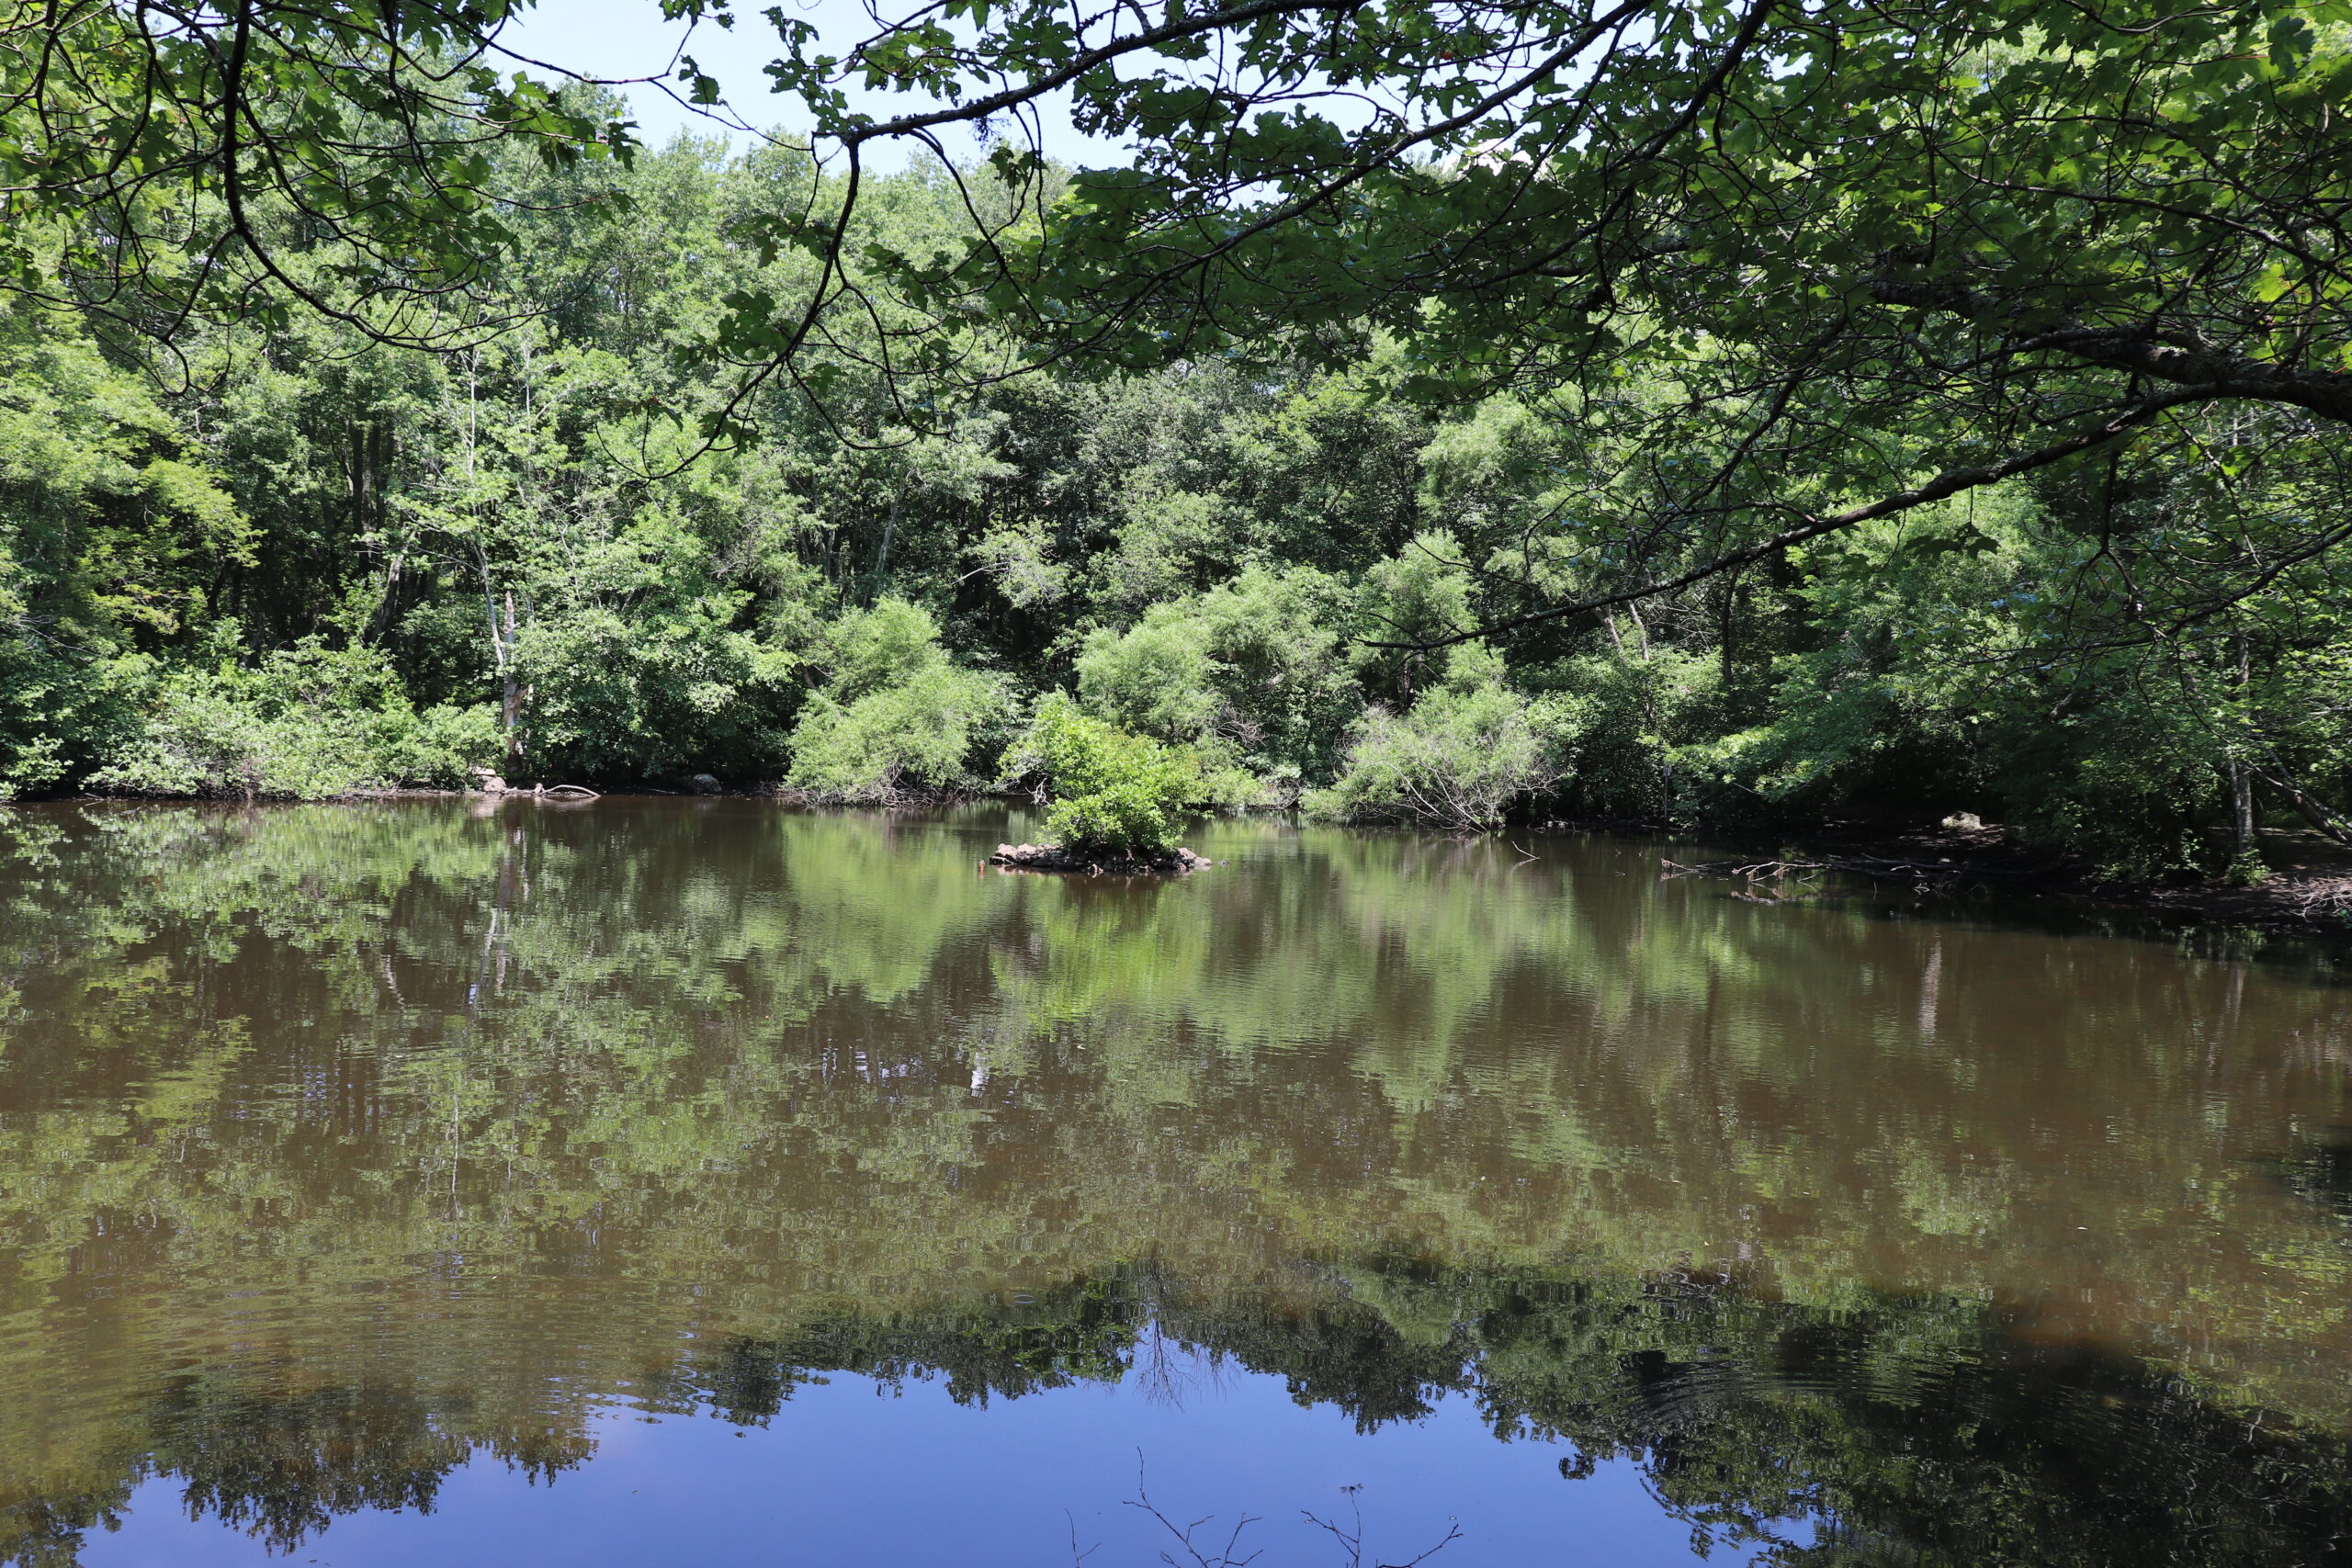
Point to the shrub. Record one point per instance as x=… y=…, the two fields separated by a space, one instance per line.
x=1111 y=790
x=1155 y=679
x=912 y=736
x=895 y=716
x=2124 y=783
x=60 y=713
x=873 y=649
x=201 y=739
x=1419 y=595
x=446 y=744
x=1462 y=754
x=1251 y=674
x=308 y=721
x=667 y=688
x=1648 y=732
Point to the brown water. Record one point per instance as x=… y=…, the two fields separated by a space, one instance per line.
x=431 y=1182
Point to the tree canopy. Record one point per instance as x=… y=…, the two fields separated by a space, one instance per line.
x=1865 y=256
x=1439 y=411
x=166 y=162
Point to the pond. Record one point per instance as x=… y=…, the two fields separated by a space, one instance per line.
x=701 y=1181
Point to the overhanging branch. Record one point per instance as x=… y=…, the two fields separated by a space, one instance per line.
x=2182 y=357
x=1951 y=482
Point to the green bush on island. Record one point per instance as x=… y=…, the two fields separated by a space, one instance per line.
x=1252 y=674
x=1110 y=790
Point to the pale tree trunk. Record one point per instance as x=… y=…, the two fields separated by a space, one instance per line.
x=2241 y=807
x=2241 y=773
x=882 y=556
x=502 y=652
x=511 y=706
x=2308 y=807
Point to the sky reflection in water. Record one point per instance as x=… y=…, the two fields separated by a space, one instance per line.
x=850 y=1473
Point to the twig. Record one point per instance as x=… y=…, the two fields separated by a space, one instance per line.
x=1224 y=1558
x=1351 y=1542
x=1748 y=871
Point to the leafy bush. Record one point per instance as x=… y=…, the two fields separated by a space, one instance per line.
x=2124 y=783
x=447 y=742
x=1419 y=595
x=871 y=650
x=59 y=713
x=895 y=716
x=1156 y=679
x=1454 y=761
x=1112 y=790
x=1642 y=728
x=307 y=722
x=1249 y=674
x=112 y=534
x=642 y=666
x=2101 y=753
x=913 y=736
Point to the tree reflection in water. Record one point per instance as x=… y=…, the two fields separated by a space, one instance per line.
x=340 y=1145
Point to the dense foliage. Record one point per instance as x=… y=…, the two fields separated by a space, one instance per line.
x=1111 y=790
x=1703 y=412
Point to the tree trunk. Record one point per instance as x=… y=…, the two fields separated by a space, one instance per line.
x=882 y=556
x=2242 y=809
x=2308 y=807
x=511 y=707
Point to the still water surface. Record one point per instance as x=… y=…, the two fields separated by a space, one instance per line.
x=703 y=1181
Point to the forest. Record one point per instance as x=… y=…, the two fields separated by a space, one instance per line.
x=1709 y=415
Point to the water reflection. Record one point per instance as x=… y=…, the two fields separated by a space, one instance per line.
x=341 y=1145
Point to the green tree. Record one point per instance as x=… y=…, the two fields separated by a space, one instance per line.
x=895 y=714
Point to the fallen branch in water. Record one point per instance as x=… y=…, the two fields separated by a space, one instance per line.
x=2330 y=899
x=1920 y=872
x=1750 y=872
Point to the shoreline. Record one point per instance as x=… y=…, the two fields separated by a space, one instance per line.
x=2307 y=895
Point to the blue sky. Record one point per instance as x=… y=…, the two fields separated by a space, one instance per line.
x=628 y=38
